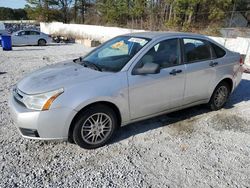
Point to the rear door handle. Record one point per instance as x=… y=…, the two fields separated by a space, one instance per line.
x=213 y=64
x=174 y=72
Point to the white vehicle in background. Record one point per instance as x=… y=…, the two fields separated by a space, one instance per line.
x=30 y=37
x=2 y=31
x=2 y=28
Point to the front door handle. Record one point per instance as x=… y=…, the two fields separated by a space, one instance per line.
x=213 y=64
x=174 y=72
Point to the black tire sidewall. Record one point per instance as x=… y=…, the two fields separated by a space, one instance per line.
x=77 y=137
x=212 y=101
x=43 y=42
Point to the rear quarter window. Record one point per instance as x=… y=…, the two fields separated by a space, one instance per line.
x=218 y=51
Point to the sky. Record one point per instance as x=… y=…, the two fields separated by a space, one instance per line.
x=12 y=3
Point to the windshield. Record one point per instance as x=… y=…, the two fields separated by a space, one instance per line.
x=115 y=54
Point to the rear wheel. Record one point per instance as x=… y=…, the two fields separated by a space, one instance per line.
x=220 y=96
x=94 y=127
x=41 y=42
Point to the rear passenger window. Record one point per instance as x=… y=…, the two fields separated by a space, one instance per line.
x=34 y=33
x=196 y=50
x=219 y=52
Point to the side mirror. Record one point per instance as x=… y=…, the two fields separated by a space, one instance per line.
x=148 y=68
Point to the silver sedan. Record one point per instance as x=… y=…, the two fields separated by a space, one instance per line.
x=30 y=37
x=129 y=78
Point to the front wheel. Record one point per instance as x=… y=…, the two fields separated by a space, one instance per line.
x=94 y=127
x=220 y=96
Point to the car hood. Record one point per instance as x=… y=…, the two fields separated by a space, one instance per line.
x=57 y=76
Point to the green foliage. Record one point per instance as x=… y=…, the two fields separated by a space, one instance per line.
x=218 y=8
x=114 y=11
x=182 y=15
x=172 y=23
x=190 y=13
x=46 y=10
x=171 y=13
x=12 y=14
x=120 y=11
x=138 y=8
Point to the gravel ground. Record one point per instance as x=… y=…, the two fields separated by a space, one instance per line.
x=189 y=148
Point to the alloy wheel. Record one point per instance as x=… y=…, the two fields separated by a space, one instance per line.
x=220 y=96
x=96 y=128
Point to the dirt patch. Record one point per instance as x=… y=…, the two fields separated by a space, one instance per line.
x=185 y=127
x=226 y=121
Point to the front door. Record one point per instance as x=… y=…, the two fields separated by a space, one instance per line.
x=20 y=38
x=155 y=93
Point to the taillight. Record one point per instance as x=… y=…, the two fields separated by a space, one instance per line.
x=241 y=61
x=50 y=36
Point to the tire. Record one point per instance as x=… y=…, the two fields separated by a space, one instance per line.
x=220 y=96
x=95 y=126
x=41 y=42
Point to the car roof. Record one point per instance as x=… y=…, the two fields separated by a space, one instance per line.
x=159 y=34
x=156 y=34
x=28 y=30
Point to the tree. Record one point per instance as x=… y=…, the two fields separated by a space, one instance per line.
x=12 y=14
x=40 y=9
x=151 y=14
x=20 y=14
x=64 y=6
x=6 y=13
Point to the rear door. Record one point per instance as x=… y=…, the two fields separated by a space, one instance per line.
x=155 y=93
x=33 y=37
x=200 y=69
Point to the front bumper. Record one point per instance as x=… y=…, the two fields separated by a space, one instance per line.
x=52 y=124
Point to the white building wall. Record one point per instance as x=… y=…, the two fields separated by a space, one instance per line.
x=102 y=33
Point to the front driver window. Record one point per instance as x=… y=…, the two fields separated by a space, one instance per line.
x=21 y=33
x=117 y=49
x=165 y=53
x=27 y=33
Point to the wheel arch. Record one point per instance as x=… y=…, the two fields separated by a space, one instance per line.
x=228 y=80
x=107 y=103
x=41 y=39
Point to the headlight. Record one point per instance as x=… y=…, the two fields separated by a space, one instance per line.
x=41 y=101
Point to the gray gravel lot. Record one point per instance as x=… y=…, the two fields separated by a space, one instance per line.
x=190 y=148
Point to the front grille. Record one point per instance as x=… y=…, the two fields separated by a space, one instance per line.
x=29 y=132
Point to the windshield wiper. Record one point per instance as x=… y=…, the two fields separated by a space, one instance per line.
x=90 y=65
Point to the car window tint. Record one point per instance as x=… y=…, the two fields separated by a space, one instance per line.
x=219 y=52
x=27 y=32
x=34 y=33
x=21 y=33
x=165 y=53
x=196 y=50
